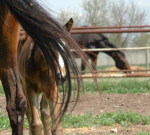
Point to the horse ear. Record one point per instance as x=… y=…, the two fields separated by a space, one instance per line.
x=69 y=25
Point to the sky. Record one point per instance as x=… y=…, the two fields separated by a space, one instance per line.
x=62 y=4
x=58 y=5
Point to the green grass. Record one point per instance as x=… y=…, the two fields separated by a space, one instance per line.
x=107 y=119
x=89 y=120
x=4 y=122
x=113 y=85
x=1 y=90
x=98 y=68
x=143 y=133
x=118 y=85
x=107 y=67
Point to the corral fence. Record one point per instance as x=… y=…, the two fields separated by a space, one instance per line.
x=144 y=57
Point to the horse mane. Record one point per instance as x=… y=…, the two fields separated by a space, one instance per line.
x=3 y=11
x=50 y=36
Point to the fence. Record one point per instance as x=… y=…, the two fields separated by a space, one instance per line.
x=142 y=59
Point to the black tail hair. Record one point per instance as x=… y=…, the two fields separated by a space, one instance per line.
x=49 y=35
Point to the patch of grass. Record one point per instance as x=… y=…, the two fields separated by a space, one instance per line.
x=107 y=119
x=1 y=90
x=112 y=85
x=103 y=67
x=107 y=67
x=143 y=133
x=89 y=120
x=4 y=122
x=98 y=68
x=118 y=85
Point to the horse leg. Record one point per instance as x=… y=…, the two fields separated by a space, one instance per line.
x=15 y=99
x=55 y=108
x=28 y=111
x=45 y=115
x=35 y=123
x=82 y=66
x=94 y=62
x=28 y=114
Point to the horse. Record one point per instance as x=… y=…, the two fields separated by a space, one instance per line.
x=49 y=36
x=90 y=41
x=38 y=79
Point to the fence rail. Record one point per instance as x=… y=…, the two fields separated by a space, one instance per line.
x=110 y=27
x=109 y=31
x=115 y=49
x=89 y=76
x=118 y=71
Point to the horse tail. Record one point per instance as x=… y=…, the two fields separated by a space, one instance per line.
x=50 y=36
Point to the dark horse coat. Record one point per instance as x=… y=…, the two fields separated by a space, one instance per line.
x=91 y=41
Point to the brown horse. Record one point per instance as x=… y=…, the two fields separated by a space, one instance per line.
x=36 y=74
x=46 y=33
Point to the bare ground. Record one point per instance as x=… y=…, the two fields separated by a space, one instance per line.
x=101 y=103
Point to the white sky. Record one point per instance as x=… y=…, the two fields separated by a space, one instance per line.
x=58 y=5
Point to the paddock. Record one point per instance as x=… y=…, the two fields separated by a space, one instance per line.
x=105 y=103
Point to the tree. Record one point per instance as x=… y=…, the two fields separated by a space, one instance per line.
x=65 y=15
x=108 y=13
x=95 y=12
x=123 y=13
x=142 y=39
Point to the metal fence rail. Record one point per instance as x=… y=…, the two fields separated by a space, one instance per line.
x=109 y=31
x=110 y=27
x=115 y=49
x=89 y=76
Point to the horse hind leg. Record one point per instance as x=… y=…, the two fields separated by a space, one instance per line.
x=28 y=115
x=51 y=109
x=45 y=115
x=55 y=109
x=35 y=121
x=15 y=99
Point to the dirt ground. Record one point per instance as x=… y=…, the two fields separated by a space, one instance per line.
x=100 y=103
